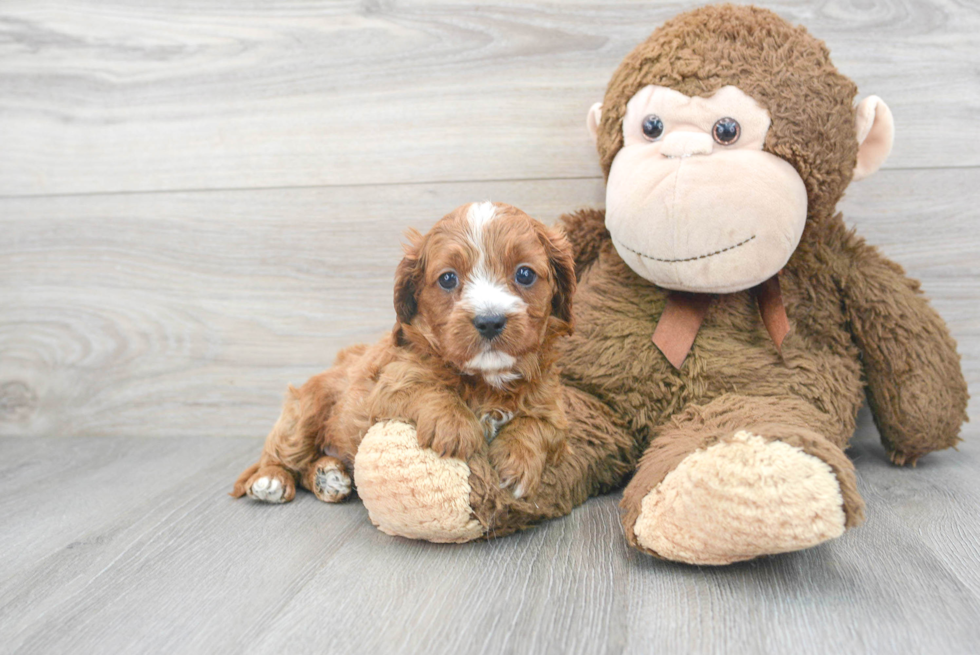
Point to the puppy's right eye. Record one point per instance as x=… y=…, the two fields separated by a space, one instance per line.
x=448 y=280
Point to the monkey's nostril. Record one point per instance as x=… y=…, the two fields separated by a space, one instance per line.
x=489 y=325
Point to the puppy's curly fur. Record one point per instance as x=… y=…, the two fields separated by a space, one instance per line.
x=481 y=300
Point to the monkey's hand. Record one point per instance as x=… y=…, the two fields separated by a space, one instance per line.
x=915 y=385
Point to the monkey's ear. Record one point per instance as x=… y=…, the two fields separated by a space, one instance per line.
x=875 y=135
x=407 y=278
x=592 y=120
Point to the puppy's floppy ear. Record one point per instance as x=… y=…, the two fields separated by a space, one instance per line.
x=562 y=263
x=408 y=277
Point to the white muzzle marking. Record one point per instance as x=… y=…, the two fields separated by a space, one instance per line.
x=491 y=361
x=485 y=296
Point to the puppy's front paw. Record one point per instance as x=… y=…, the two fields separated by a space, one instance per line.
x=451 y=435
x=519 y=466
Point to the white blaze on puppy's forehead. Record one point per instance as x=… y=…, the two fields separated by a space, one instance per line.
x=482 y=292
x=478 y=215
x=486 y=296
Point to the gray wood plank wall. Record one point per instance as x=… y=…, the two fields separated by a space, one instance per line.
x=200 y=202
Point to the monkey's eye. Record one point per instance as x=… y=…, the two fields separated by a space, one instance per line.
x=448 y=280
x=726 y=131
x=653 y=127
x=525 y=276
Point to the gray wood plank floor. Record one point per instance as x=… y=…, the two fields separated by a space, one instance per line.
x=201 y=202
x=130 y=545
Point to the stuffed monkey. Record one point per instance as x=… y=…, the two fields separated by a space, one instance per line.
x=729 y=323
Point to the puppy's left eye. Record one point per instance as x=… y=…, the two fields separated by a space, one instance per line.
x=525 y=276
x=448 y=280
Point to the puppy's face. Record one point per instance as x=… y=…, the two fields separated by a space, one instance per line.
x=485 y=287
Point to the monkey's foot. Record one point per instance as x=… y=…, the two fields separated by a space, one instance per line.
x=410 y=491
x=738 y=499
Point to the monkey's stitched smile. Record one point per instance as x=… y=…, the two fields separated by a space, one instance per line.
x=686 y=259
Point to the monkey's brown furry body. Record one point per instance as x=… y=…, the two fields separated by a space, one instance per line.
x=739 y=452
x=846 y=303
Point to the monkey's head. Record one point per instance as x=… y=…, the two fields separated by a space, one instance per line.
x=720 y=137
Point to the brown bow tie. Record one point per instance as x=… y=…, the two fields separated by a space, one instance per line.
x=684 y=313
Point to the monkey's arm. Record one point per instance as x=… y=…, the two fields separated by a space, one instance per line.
x=586 y=229
x=915 y=385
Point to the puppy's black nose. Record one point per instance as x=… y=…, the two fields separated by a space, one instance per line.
x=489 y=325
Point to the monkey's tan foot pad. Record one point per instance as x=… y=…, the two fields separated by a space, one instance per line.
x=328 y=480
x=410 y=491
x=740 y=499
x=271 y=485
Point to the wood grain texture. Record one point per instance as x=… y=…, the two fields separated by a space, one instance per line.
x=119 y=95
x=187 y=314
x=137 y=549
x=183 y=314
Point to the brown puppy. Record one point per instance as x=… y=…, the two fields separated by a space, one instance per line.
x=480 y=301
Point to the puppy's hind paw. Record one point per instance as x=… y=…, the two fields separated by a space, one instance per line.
x=327 y=478
x=268 y=490
x=271 y=485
